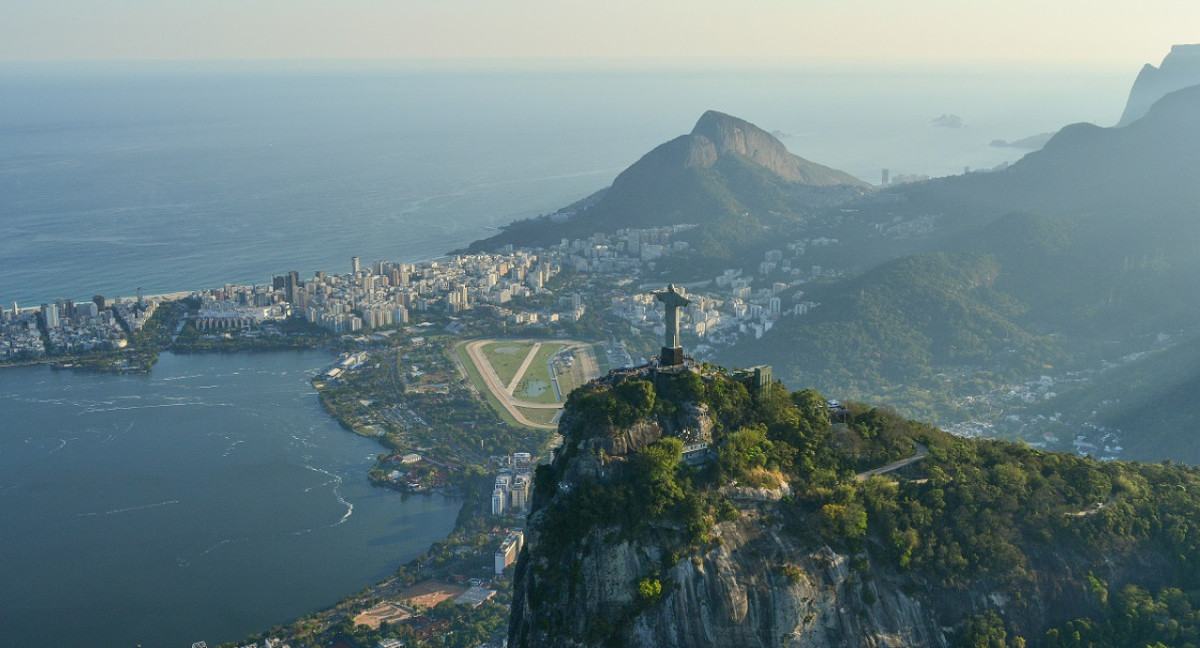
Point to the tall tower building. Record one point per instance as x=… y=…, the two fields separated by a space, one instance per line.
x=291 y=286
x=885 y=178
x=354 y=264
x=50 y=316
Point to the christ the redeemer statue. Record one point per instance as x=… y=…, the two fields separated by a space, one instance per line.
x=672 y=351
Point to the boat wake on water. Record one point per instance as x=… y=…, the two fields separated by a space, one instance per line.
x=129 y=509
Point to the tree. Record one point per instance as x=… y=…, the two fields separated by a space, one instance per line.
x=655 y=476
x=649 y=590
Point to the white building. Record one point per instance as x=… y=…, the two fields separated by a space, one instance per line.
x=508 y=551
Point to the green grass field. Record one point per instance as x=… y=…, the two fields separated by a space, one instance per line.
x=460 y=351
x=531 y=386
x=506 y=357
x=536 y=386
x=539 y=415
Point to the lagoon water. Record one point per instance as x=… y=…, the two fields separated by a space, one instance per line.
x=212 y=498
x=208 y=500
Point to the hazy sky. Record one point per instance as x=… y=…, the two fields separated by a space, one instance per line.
x=1103 y=31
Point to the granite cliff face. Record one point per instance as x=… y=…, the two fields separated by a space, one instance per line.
x=720 y=140
x=692 y=507
x=1180 y=69
x=724 y=166
x=720 y=135
x=752 y=585
x=758 y=587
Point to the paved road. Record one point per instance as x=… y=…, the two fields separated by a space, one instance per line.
x=920 y=454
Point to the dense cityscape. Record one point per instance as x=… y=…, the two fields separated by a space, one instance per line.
x=386 y=294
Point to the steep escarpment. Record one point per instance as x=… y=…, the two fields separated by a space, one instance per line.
x=694 y=508
x=727 y=135
x=1179 y=69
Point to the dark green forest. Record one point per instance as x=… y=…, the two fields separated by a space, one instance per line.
x=1084 y=553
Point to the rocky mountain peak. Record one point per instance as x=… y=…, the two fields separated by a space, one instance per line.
x=1179 y=69
x=717 y=134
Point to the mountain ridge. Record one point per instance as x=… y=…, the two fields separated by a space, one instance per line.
x=1179 y=69
x=724 y=167
x=731 y=135
x=1092 y=238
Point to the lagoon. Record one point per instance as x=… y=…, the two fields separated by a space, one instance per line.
x=209 y=499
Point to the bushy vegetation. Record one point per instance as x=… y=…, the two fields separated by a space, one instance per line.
x=1032 y=526
x=901 y=324
x=990 y=509
x=622 y=406
x=651 y=493
x=1134 y=617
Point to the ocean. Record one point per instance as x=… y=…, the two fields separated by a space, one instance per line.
x=214 y=498
x=175 y=177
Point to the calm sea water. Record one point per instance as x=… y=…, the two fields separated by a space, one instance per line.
x=208 y=500
x=174 y=177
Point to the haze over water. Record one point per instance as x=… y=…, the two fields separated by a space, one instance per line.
x=209 y=499
x=183 y=176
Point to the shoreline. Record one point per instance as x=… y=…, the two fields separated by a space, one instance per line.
x=183 y=373
x=163 y=297
x=463 y=477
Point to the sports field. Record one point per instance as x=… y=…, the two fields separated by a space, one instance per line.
x=528 y=380
x=506 y=357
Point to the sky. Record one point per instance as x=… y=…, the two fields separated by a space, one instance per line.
x=1103 y=32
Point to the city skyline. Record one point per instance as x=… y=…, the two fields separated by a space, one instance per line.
x=527 y=31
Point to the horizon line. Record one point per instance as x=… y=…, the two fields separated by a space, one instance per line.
x=599 y=64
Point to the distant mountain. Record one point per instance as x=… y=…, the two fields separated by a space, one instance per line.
x=1180 y=69
x=1086 y=168
x=1090 y=249
x=725 y=167
x=1032 y=143
x=718 y=137
x=901 y=323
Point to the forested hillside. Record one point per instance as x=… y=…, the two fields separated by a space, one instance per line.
x=779 y=534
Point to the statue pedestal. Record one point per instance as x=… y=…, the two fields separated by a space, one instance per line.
x=671 y=356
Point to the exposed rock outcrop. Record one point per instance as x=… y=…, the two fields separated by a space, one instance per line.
x=724 y=168
x=628 y=545
x=758 y=587
x=752 y=584
x=1180 y=69
x=727 y=135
